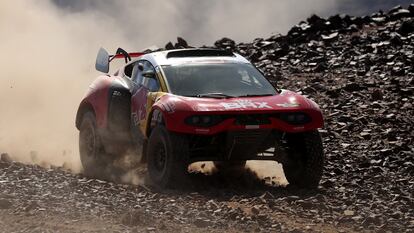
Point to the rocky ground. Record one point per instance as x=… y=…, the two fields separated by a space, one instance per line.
x=361 y=72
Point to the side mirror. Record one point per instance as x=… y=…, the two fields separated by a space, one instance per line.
x=140 y=66
x=149 y=74
x=102 y=61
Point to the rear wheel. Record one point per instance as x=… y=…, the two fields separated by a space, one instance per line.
x=90 y=148
x=167 y=155
x=304 y=160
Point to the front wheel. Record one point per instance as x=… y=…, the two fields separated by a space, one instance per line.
x=167 y=155
x=304 y=160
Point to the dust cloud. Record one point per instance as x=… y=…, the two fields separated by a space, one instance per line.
x=49 y=48
x=46 y=66
x=198 y=21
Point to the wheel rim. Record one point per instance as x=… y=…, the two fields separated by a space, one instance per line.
x=88 y=143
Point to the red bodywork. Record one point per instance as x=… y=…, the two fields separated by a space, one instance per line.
x=119 y=56
x=175 y=109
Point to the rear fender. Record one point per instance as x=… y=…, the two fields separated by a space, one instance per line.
x=105 y=95
x=95 y=100
x=84 y=107
x=119 y=108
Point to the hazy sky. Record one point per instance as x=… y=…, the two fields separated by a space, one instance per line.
x=203 y=22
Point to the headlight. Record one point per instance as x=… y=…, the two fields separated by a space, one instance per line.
x=295 y=118
x=195 y=120
x=203 y=120
x=206 y=119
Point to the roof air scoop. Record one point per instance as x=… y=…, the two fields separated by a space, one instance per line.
x=200 y=53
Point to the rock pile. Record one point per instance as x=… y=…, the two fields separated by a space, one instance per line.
x=361 y=72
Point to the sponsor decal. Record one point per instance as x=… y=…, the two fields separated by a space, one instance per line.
x=142 y=112
x=169 y=107
x=292 y=103
x=299 y=128
x=288 y=105
x=135 y=118
x=202 y=130
x=243 y=104
x=200 y=107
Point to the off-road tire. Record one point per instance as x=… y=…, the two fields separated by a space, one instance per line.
x=172 y=171
x=303 y=166
x=90 y=148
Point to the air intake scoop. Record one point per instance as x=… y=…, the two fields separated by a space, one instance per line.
x=200 y=53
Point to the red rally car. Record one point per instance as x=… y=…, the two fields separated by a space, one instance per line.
x=177 y=107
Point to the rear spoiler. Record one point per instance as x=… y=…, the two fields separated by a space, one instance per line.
x=103 y=58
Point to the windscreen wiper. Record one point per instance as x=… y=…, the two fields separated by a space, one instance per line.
x=215 y=95
x=254 y=95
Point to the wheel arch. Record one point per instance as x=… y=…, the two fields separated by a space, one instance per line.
x=155 y=117
x=118 y=108
x=84 y=107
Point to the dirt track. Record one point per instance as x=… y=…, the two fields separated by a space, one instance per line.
x=35 y=199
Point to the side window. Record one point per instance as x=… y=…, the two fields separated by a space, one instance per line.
x=151 y=83
x=137 y=72
x=128 y=70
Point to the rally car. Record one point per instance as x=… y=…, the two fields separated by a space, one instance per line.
x=176 y=107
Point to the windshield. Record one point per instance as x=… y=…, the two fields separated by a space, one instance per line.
x=225 y=79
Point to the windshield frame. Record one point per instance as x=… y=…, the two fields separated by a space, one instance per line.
x=273 y=89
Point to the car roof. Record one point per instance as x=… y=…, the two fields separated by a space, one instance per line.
x=186 y=56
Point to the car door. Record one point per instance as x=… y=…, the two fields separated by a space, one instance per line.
x=142 y=87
